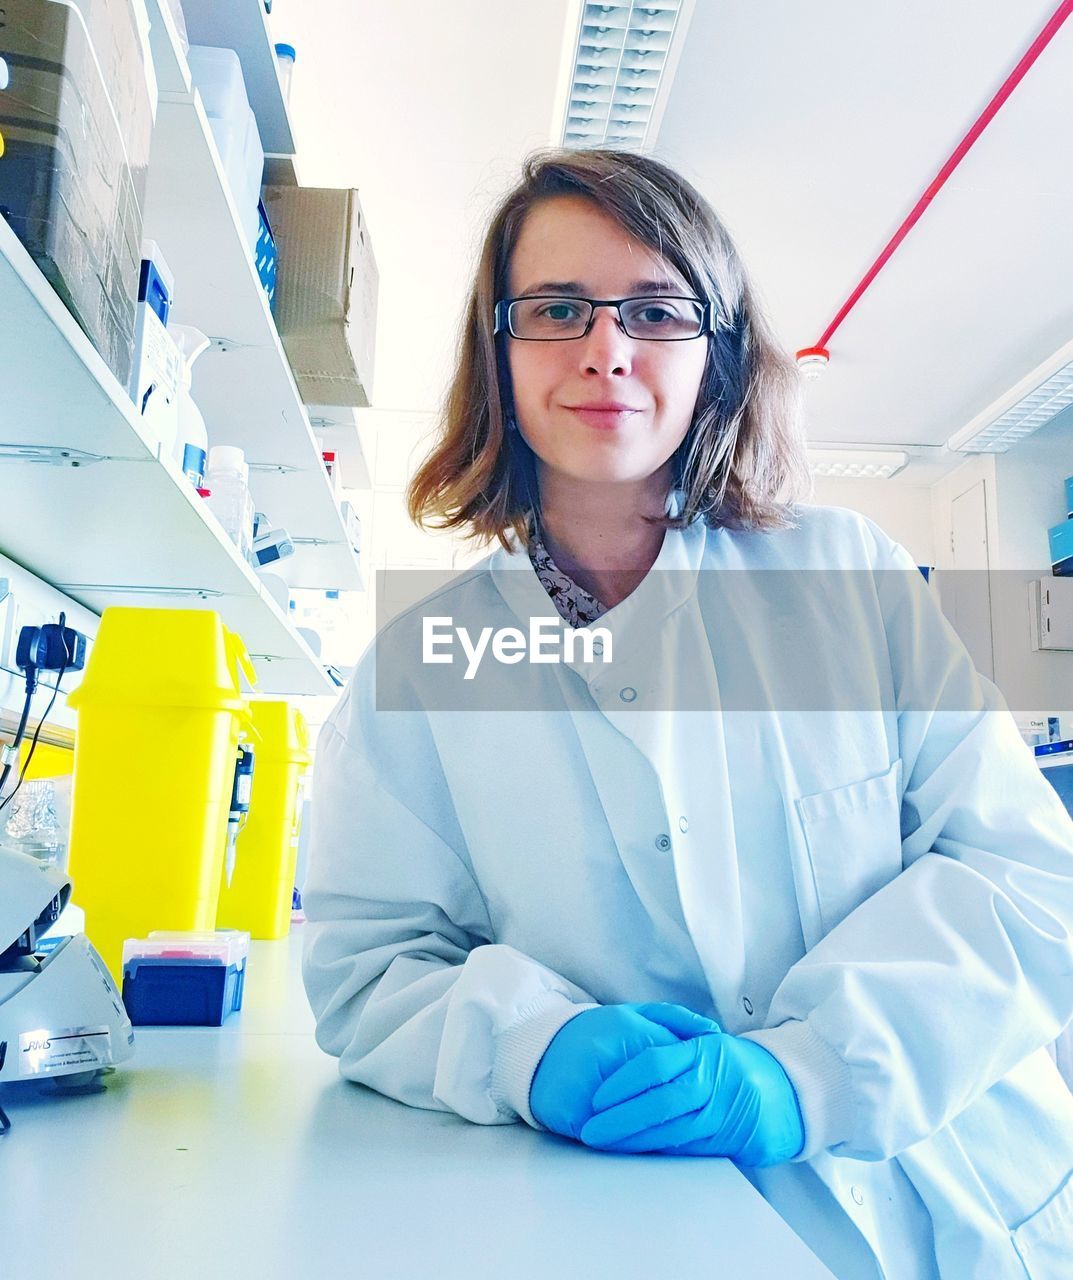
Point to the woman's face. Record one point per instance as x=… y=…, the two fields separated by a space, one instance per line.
x=645 y=391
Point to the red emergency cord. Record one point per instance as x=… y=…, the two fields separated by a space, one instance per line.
x=818 y=353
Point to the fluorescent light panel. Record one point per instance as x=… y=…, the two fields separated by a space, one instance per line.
x=1032 y=403
x=857 y=464
x=619 y=61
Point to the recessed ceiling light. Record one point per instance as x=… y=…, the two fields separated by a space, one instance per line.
x=1026 y=407
x=620 y=72
x=857 y=464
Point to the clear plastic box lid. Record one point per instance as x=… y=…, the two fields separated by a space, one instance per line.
x=228 y=946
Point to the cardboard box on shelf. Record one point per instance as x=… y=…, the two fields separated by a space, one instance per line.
x=326 y=291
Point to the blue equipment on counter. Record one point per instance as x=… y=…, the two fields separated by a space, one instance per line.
x=1056 y=761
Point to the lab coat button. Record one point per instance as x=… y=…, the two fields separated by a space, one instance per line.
x=598 y=648
x=747 y=1005
x=857 y=1194
x=683 y=823
x=663 y=843
x=627 y=694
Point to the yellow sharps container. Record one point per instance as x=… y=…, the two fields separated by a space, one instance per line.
x=258 y=898
x=160 y=716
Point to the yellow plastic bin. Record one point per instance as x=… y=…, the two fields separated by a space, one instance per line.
x=258 y=898
x=160 y=716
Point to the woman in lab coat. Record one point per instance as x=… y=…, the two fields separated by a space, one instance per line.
x=775 y=821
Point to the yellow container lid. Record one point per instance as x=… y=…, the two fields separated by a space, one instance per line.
x=165 y=657
x=282 y=731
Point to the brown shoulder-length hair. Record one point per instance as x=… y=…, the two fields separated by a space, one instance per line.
x=742 y=462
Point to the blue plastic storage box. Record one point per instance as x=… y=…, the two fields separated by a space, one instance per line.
x=184 y=979
x=188 y=993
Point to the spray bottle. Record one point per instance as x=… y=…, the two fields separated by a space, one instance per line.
x=192 y=440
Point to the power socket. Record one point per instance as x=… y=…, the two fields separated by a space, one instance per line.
x=53 y=647
x=9 y=626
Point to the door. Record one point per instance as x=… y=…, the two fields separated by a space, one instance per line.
x=967 y=596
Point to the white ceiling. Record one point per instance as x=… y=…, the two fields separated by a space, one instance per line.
x=812 y=128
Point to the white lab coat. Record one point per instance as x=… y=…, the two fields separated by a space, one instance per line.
x=880 y=894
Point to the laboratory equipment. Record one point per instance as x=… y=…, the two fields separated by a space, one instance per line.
x=227 y=479
x=331 y=465
x=285 y=58
x=1060 y=537
x=191 y=437
x=160 y=716
x=1056 y=761
x=184 y=978
x=60 y=1012
x=352 y=524
x=241 y=792
x=217 y=73
x=157 y=368
x=272 y=545
x=259 y=897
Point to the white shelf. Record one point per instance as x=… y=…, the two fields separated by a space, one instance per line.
x=338 y=429
x=169 y=61
x=242 y=25
x=126 y=529
x=243 y=385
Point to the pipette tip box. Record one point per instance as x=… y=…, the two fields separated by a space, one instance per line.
x=184 y=979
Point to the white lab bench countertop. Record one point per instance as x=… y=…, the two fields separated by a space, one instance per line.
x=238 y=1153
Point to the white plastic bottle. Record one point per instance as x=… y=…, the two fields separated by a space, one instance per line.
x=227 y=479
x=191 y=440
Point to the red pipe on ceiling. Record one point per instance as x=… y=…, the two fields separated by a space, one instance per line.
x=932 y=190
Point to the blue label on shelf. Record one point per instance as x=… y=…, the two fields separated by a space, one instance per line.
x=194 y=464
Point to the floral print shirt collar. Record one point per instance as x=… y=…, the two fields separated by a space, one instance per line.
x=573 y=603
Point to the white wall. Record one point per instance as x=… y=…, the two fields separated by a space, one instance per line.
x=1030 y=497
x=902 y=511
x=1031 y=493
x=1025 y=494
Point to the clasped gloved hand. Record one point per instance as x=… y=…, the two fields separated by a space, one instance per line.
x=714 y=1095
x=591 y=1047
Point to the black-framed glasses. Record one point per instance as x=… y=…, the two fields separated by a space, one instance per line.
x=543 y=318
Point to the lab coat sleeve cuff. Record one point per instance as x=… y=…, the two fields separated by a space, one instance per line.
x=520 y=1047
x=820 y=1079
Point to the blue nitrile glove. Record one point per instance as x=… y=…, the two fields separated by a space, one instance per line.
x=592 y=1046
x=715 y=1095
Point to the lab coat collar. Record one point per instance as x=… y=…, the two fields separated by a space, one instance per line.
x=667 y=585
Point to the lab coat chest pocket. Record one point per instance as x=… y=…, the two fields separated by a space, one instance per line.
x=854 y=842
